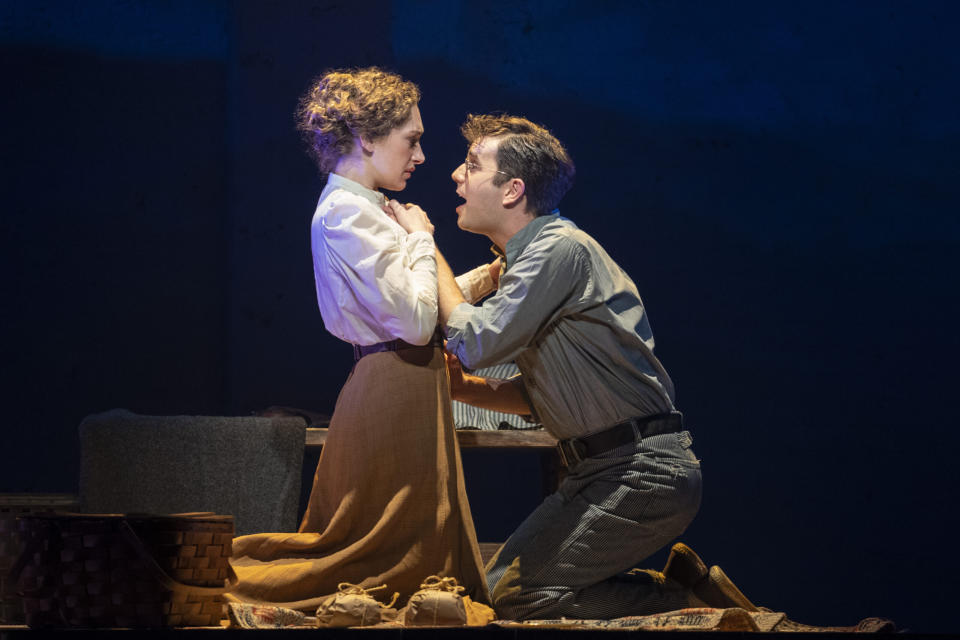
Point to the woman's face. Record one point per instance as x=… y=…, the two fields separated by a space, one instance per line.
x=394 y=158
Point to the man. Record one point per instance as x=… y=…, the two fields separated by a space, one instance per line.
x=575 y=325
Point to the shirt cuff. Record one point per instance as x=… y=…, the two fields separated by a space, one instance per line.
x=456 y=322
x=476 y=283
x=419 y=245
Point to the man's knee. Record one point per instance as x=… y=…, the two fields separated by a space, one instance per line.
x=529 y=604
x=514 y=600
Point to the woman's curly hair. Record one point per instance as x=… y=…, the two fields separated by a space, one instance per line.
x=346 y=103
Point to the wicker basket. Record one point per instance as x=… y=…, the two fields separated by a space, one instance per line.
x=13 y=505
x=84 y=570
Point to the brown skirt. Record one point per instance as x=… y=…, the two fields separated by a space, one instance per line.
x=388 y=504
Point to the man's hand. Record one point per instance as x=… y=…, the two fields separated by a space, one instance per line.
x=487 y=393
x=455 y=370
x=409 y=216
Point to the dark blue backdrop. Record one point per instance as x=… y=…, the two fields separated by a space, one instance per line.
x=780 y=179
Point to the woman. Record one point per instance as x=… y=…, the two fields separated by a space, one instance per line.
x=388 y=504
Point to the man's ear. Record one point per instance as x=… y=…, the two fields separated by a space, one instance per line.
x=515 y=192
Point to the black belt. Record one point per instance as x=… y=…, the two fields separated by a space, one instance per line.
x=573 y=450
x=396 y=345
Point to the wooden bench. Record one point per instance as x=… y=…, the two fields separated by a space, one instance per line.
x=537 y=440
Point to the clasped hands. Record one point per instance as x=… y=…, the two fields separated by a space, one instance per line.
x=412 y=218
x=409 y=216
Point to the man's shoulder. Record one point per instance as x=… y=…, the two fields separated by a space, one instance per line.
x=560 y=244
x=565 y=232
x=565 y=242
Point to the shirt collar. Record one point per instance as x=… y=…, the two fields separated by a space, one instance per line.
x=335 y=181
x=525 y=236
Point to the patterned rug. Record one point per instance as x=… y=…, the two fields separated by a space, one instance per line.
x=251 y=617
x=702 y=619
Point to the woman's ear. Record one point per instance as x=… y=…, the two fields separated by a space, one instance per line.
x=364 y=144
x=514 y=193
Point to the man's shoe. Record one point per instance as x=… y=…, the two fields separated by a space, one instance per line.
x=684 y=566
x=718 y=591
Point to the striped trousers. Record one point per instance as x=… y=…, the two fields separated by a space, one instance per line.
x=611 y=512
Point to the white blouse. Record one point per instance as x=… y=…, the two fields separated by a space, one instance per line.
x=375 y=282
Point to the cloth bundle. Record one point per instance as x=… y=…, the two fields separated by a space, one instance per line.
x=438 y=603
x=353 y=606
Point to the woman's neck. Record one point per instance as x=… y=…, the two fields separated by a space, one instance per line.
x=354 y=169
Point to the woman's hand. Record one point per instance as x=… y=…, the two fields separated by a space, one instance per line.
x=409 y=216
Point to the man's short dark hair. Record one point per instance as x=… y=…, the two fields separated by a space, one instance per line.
x=529 y=152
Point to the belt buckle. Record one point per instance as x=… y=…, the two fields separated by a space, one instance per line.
x=565 y=447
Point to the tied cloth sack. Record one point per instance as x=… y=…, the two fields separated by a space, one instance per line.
x=353 y=606
x=438 y=603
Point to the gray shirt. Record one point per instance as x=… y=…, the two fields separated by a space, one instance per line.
x=575 y=325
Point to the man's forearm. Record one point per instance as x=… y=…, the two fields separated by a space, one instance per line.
x=448 y=293
x=492 y=393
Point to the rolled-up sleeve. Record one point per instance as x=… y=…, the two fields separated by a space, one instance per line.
x=476 y=283
x=546 y=281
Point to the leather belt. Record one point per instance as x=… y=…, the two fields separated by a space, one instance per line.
x=396 y=345
x=573 y=450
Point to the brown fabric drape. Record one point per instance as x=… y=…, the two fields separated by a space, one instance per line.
x=388 y=504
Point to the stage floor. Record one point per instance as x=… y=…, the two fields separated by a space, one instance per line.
x=490 y=632
x=691 y=622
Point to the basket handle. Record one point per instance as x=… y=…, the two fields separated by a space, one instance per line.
x=163 y=577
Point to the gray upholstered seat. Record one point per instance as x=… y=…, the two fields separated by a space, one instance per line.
x=248 y=467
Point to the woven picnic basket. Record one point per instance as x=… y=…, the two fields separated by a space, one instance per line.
x=109 y=570
x=12 y=506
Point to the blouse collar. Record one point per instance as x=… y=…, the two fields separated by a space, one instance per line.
x=335 y=181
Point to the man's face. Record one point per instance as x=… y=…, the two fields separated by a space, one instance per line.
x=482 y=211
